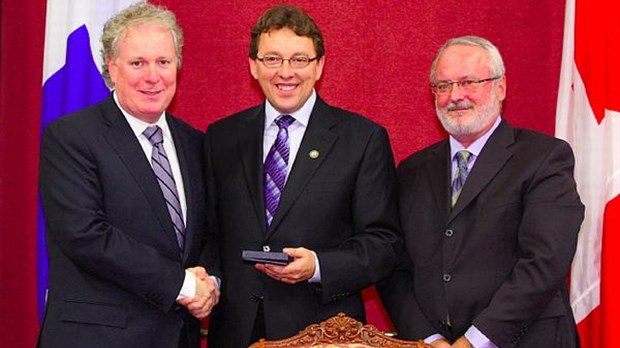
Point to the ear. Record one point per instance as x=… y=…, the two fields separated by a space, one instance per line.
x=112 y=69
x=253 y=67
x=319 y=68
x=501 y=88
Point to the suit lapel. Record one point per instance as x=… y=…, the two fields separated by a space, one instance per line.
x=124 y=142
x=318 y=137
x=438 y=172
x=250 y=138
x=188 y=171
x=492 y=158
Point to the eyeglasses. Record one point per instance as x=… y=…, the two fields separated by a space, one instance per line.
x=467 y=85
x=296 y=62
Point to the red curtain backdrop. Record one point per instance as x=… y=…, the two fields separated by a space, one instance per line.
x=378 y=56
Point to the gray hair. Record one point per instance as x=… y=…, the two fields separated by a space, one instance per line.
x=497 y=63
x=133 y=16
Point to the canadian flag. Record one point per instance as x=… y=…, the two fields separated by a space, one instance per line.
x=588 y=117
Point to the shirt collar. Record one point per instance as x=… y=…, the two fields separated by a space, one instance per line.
x=302 y=115
x=138 y=126
x=476 y=147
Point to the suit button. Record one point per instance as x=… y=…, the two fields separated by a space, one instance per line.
x=266 y=248
x=447 y=277
x=449 y=233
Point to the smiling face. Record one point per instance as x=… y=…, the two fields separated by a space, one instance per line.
x=286 y=89
x=145 y=71
x=467 y=115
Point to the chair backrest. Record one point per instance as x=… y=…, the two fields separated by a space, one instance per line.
x=340 y=331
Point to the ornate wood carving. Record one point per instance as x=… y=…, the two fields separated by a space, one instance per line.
x=340 y=330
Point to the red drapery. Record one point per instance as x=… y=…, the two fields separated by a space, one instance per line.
x=378 y=57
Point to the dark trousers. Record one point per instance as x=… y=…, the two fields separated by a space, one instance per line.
x=259 y=331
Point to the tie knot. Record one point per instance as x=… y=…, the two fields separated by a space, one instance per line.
x=283 y=121
x=154 y=135
x=462 y=157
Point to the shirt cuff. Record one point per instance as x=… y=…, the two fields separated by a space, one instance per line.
x=189 y=286
x=478 y=339
x=433 y=338
x=316 y=277
x=217 y=281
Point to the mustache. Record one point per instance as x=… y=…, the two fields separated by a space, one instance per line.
x=459 y=105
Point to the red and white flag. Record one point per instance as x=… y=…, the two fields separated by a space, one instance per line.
x=588 y=117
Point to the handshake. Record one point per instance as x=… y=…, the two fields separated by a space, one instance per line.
x=206 y=297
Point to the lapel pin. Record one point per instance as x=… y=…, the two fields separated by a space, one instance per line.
x=314 y=154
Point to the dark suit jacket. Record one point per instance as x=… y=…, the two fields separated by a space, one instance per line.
x=499 y=258
x=342 y=205
x=115 y=269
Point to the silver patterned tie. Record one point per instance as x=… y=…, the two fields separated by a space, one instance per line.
x=163 y=172
x=462 y=159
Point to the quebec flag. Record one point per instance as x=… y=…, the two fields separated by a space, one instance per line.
x=71 y=77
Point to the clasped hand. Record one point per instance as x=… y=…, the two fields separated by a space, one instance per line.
x=207 y=294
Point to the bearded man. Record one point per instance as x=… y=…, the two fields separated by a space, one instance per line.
x=489 y=216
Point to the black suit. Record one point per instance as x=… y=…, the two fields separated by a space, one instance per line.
x=342 y=205
x=499 y=258
x=115 y=269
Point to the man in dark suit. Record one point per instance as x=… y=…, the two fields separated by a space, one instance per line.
x=335 y=213
x=125 y=212
x=490 y=219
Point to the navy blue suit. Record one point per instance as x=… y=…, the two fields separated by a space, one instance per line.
x=115 y=269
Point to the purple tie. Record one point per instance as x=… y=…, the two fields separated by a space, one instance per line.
x=161 y=167
x=275 y=167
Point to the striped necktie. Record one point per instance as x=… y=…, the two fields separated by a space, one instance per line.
x=275 y=167
x=462 y=160
x=163 y=172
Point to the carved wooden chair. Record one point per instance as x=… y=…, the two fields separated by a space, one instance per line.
x=340 y=331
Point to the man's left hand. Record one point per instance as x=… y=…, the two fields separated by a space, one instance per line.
x=301 y=269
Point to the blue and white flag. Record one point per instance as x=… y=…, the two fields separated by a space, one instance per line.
x=72 y=78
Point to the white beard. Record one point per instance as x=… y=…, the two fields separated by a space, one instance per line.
x=485 y=115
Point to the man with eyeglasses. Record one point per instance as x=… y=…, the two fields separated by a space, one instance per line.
x=490 y=218
x=298 y=176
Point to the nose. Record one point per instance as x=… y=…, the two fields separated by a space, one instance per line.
x=152 y=74
x=457 y=92
x=285 y=69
